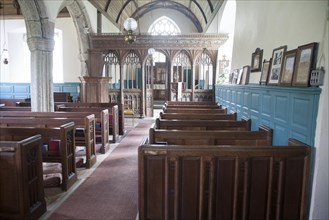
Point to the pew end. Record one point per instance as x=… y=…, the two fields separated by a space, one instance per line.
x=21 y=182
x=223 y=182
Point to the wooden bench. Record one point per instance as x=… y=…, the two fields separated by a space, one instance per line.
x=195 y=110
x=85 y=122
x=224 y=182
x=191 y=116
x=263 y=136
x=244 y=124
x=65 y=155
x=21 y=181
x=119 y=113
x=112 y=120
x=179 y=103
x=198 y=105
x=14 y=108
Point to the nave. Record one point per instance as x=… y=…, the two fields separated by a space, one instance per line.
x=109 y=189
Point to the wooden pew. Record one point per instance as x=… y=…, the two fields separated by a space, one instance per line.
x=66 y=154
x=224 y=182
x=179 y=103
x=21 y=181
x=86 y=122
x=119 y=114
x=199 y=105
x=191 y=116
x=244 y=124
x=112 y=120
x=195 y=110
x=14 y=108
x=263 y=137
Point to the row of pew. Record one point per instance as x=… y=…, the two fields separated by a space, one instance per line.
x=41 y=149
x=200 y=162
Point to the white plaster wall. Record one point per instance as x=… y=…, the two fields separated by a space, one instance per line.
x=15 y=70
x=71 y=62
x=270 y=24
x=108 y=27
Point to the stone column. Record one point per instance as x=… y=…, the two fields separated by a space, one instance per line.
x=42 y=98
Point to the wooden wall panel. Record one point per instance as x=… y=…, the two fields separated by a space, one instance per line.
x=290 y=111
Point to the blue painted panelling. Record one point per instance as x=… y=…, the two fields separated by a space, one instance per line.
x=266 y=105
x=22 y=90
x=281 y=112
x=281 y=134
x=290 y=111
x=14 y=90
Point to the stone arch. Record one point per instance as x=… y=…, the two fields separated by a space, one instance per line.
x=36 y=20
x=82 y=24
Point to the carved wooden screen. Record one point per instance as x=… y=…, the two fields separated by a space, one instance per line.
x=204 y=73
x=111 y=68
x=132 y=72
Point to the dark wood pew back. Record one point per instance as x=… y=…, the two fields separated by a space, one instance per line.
x=21 y=180
x=191 y=116
x=223 y=182
x=176 y=124
x=14 y=108
x=112 y=120
x=120 y=109
x=66 y=156
x=195 y=110
x=261 y=137
x=84 y=121
x=197 y=105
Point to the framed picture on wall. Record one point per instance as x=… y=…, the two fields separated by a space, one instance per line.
x=288 y=67
x=256 y=60
x=239 y=71
x=245 y=75
x=265 y=72
x=304 y=64
x=276 y=65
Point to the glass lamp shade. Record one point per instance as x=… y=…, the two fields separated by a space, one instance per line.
x=151 y=51
x=5 y=56
x=130 y=24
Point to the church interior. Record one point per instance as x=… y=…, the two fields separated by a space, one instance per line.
x=164 y=109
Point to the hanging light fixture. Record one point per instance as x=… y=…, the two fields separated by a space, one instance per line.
x=130 y=26
x=4 y=53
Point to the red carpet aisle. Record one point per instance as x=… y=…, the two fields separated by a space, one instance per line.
x=111 y=192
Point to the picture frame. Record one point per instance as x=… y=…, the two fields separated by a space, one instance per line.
x=304 y=64
x=265 y=72
x=256 y=60
x=276 y=65
x=239 y=76
x=234 y=76
x=245 y=75
x=288 y=67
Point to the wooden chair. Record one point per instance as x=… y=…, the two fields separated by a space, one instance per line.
x=129 y=110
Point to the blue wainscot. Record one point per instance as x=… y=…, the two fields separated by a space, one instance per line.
x=22 y=90
x=290 y=111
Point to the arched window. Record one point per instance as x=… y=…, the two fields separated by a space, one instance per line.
x=164 y=26
x=111 y=68
x=132 y=72
x=182 y=70
x=203 y=72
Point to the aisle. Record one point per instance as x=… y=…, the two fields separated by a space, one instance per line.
x=110 y=192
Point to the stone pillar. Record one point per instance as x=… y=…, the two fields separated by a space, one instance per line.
x=42 y=98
